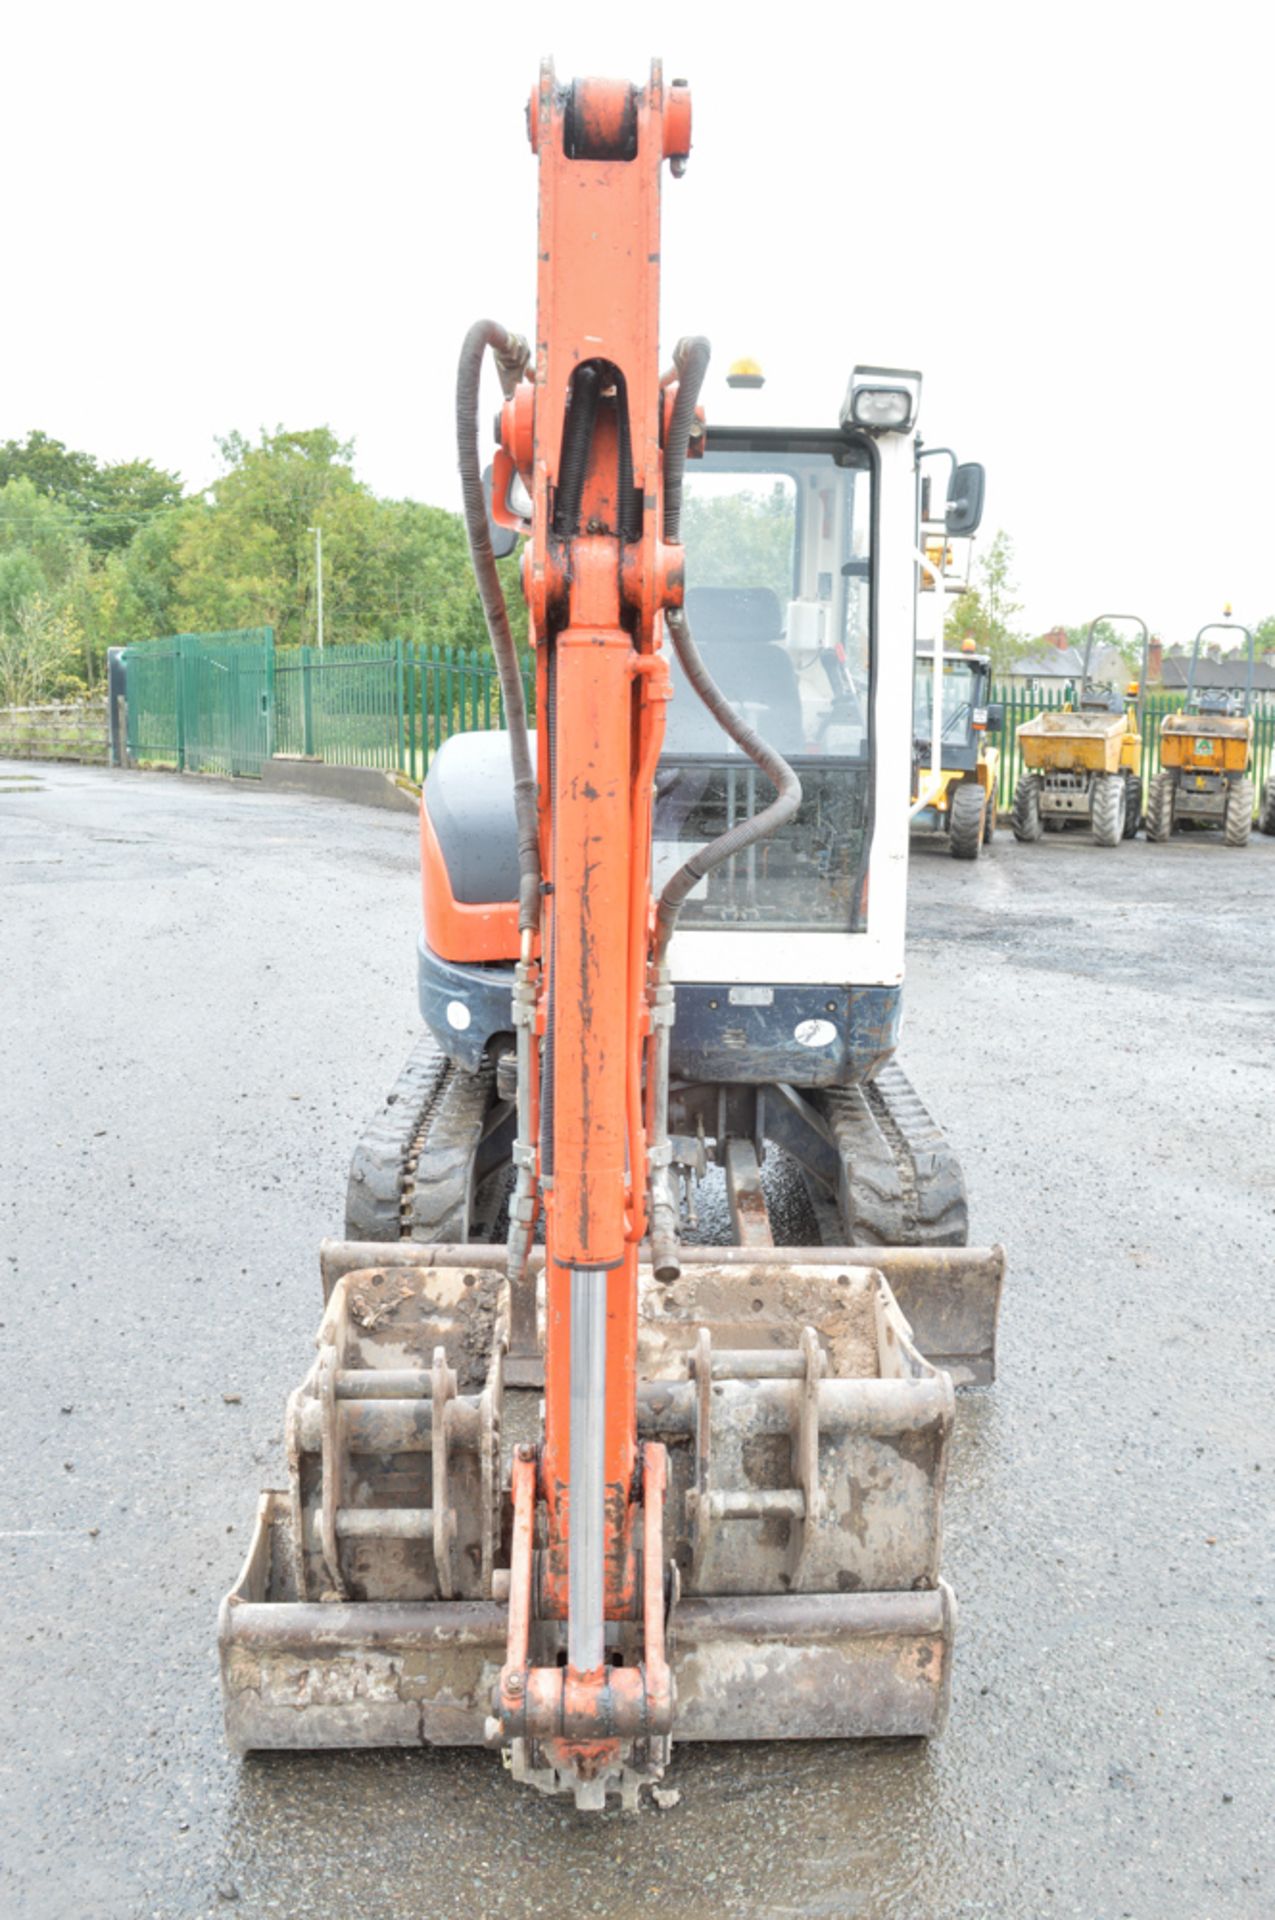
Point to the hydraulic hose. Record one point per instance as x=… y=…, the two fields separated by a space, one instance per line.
x=745 y=833
x=690 y=360
x=511 y=359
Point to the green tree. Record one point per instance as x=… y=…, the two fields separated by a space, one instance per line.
x=1264 y=635
x=967 y=620
x=108 y=502
x=244 y=558
x=133 y=594
x=741 y=538
x=53 y=468
x=390 y=567
x=126 y=497
x=986 y=611
x=40 y=644
x=45 y=529
x=114 y=554
x=999 y=587
x=44 y=564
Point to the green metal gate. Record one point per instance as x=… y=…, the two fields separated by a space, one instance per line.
x=202 y=702
x=227 y=703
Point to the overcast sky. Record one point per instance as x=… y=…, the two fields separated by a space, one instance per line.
x=235 y=216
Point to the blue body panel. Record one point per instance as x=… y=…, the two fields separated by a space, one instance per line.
x=803 y=1036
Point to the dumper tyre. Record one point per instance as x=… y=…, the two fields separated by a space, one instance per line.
x=965 y=821
x=1237 y=821
x=1026 y=816
x=1160 y=808
x=1106 y=809
x=1266 y=818
x=1132 y=806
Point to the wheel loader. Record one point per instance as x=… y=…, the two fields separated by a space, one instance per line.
x=563 y=1479
x=1083 y=763
x=960 y=801
x=1206 y=757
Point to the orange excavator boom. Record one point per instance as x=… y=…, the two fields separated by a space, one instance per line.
x=583 y=430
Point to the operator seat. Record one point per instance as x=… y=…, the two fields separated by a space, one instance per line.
x=738 y=631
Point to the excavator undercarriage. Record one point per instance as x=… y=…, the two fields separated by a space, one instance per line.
x=874 y=1170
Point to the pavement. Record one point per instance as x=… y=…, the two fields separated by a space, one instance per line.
x=206 y=988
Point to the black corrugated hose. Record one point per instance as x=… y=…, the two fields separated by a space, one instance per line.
x=691 y=361
x=511 y=359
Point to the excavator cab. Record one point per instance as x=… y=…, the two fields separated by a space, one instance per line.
x=776 y=532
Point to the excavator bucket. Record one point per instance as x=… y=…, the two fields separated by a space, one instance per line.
x=806 y=1443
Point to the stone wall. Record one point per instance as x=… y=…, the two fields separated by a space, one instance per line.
x=73 y=731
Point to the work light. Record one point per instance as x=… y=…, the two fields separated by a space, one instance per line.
x=881 y=399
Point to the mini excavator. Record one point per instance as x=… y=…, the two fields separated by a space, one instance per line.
x=662 y=946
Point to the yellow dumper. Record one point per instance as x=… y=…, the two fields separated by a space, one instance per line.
x=1206 y=755
x=1084 y=763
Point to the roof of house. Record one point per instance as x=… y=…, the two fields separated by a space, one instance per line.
x=1067 y=663
x=1049 y=663
x=1229 y=674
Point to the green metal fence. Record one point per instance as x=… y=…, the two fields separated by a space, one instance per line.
x=341 y=704
x=224 y=702
x=386 y=706
x=1020 y=706
x=452 y=690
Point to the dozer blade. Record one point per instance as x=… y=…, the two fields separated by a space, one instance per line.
x=806 y=1441
x=950 y=1296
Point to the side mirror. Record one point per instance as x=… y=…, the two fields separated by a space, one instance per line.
x=965 y=498
x=503 y=539
x=995 y=717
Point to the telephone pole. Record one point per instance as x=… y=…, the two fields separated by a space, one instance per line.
x=318 y=580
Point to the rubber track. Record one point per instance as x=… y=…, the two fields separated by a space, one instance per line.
x=439 y=1175
x=901 y=1184
x=374 y=1196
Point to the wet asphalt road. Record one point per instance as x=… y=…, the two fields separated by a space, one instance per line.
x=205 y=988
